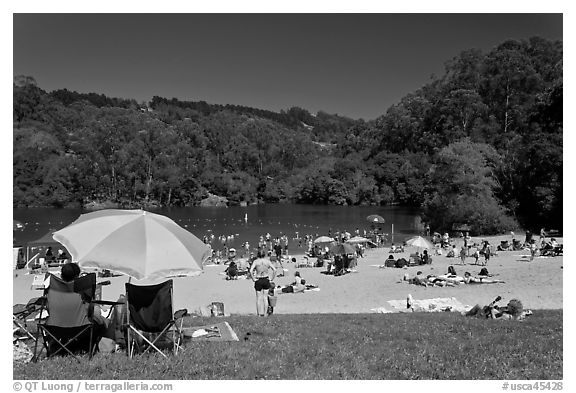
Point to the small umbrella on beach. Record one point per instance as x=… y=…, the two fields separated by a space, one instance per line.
x=375 y=219
x=342 y=248
x=17 y=226
x=419 y=242
x=323 y=240
x=358 y=240
x=134 y=242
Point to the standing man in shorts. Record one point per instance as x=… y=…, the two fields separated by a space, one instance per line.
x=262 y=272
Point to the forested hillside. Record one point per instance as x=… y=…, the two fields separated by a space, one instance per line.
x=480 y=144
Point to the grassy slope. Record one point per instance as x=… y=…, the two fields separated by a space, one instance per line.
x=344 y=346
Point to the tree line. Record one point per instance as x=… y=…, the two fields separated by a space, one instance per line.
x=480 y=144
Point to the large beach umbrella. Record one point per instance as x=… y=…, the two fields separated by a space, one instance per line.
x=342 y=248
x=134 y=242
x=357 y=240
x=323 y=240
x=375 y=219
x=420 y=242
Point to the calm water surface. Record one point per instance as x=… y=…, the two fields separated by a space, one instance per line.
x=292 y=220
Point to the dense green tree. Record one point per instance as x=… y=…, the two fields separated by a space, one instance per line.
x=496 y=116
x=463 y=190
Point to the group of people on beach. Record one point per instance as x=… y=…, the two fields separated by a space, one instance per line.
x=279 y=243
x=451 y=279
x=484 y=249
x=48 y=260
x=264 y=263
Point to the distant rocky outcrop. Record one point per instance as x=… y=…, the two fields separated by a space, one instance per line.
x=214 y=200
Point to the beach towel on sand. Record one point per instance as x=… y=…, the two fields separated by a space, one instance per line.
x=215 y=332
x=423 y=305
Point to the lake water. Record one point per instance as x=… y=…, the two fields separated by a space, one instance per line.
x=276 y=219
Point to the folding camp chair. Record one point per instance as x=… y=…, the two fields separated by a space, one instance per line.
x=414 y=259
x=69 y=326
x=558 y=250
x=304 y=262
x=150 y=313
x=504 y=246
x=20 y=315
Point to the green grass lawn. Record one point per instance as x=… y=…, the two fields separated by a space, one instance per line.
x=343 y=346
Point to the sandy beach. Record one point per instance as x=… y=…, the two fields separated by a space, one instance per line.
x=538 y=284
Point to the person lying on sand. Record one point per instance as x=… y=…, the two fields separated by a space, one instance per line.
x=470 y=279
x=442 y=281
x=513 y=310
x=450 y=277
x=296 y=288
x=420 y=280
x=431 y=280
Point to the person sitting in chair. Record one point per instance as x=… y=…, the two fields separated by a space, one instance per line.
x=426 y=258
x=339 y=265
x=231 y=271
x=390 y=262
x=554 y=242
x=71 y=271
x=49 y=256
x=62 y=256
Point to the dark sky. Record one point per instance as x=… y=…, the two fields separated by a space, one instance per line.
x=356 y=65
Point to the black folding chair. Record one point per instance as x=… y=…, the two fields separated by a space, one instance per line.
x=69 y=326
x=150 y=318
x=20 y=315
